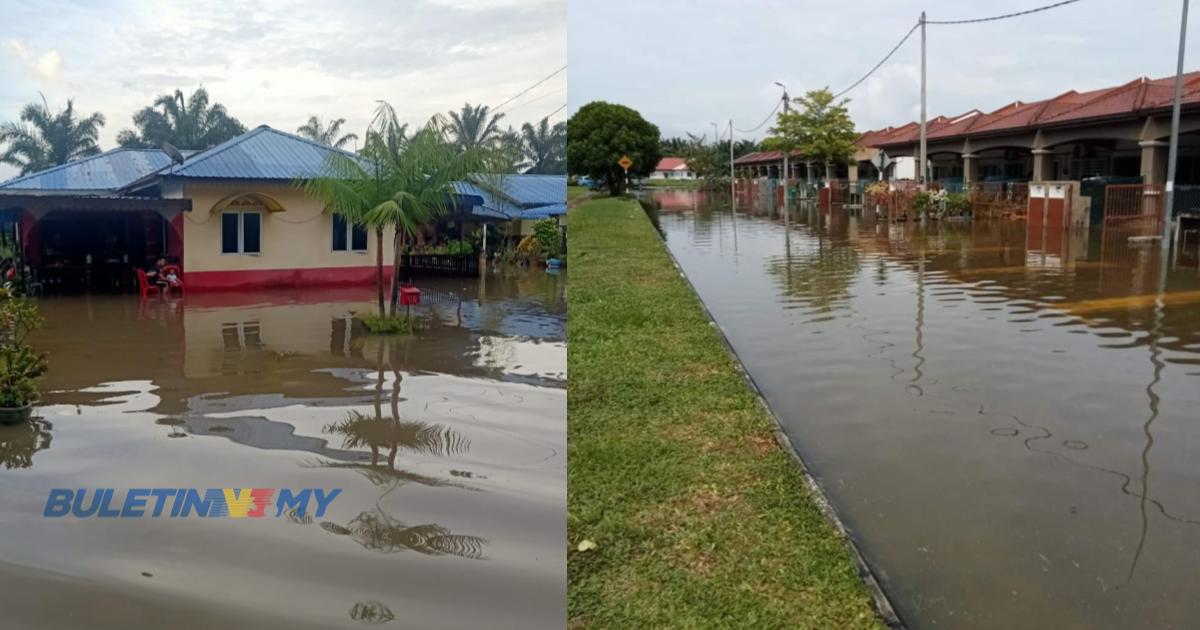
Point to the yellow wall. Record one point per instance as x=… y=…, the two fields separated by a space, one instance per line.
x=299 y=237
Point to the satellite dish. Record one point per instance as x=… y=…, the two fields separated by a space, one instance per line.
x=172 y=153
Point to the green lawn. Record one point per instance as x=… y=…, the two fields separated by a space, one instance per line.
x=576 y=192
x=699 y=518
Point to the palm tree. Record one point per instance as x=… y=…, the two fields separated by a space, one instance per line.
x=327 y=135
x=44 y=139
x=545 y=147
x=188 y=123
x=422 y=179
x=397 y=185
x=508 y=153
x=472 y=128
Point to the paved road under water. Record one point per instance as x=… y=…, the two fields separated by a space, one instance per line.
x=1008 y=422
x=450 y=448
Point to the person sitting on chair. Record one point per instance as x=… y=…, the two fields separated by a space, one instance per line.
x=155 y=273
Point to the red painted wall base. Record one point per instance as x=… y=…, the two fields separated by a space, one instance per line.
x=282 y=278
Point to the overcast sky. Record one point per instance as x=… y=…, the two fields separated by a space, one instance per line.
x=277 y=61
x=684 y=64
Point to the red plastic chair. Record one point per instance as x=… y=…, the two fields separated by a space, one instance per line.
x=167 y=270
x=144 y=286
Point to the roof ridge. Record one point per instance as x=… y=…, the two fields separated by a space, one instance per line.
x=257 y=131
x=220 y=148
x=20 y=178
x=1110 y=93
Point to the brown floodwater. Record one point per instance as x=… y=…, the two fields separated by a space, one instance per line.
x=1007 y=421
x=449 y=447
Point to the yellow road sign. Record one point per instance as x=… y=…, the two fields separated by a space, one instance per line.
x=625 y=162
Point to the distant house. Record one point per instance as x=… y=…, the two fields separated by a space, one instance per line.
x=672 y=168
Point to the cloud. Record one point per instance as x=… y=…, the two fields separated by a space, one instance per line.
x=276 y=62
x=47 y=66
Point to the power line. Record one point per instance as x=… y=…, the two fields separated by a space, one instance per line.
x=534 y=100
x=765 y=120
x=560 y=108
x=519 y=94
x=883 y=61
x=1005 y=16
x=948 y=22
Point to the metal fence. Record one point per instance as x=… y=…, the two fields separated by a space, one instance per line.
x=1186 y=201
x=999 y=199
x=453 y=264
x=1134 y=208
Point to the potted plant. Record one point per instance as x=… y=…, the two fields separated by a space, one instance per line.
x=20 y=366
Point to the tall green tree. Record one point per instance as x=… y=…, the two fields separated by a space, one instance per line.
x=709 y=162
x=600 y=133
x=475 y=127
x=187 y=122
x=507 y=155
x=329 y=135
x=673 y=146
x=44 y=138
x=399 y=189
x=819 y=127
x=545 y=147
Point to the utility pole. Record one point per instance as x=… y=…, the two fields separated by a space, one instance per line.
x=785 y=152
x=1173 y=150
x=716 y=142
x=924 y=158
x=732 y=177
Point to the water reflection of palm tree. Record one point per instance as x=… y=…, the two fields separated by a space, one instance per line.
x=360 y=430
x=19 y=442
x=375 y=529
x=371 y=613
x=378 y=531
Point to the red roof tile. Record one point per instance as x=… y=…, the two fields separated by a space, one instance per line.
x=670 y=164
x=1135 y=98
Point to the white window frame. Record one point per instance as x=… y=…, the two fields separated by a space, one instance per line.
x=349 y=237
x=241 y=235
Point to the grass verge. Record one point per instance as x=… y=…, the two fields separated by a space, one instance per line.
x=698 y=517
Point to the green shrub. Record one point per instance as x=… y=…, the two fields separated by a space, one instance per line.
x=548 y=238
x=958 y=204
x=20 y=366
x=390 y=324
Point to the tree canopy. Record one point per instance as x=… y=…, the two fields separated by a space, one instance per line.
x=329 y=135
x=819 y=128
x=475 y=126
x=601 y=133
x=187 y=123
x=44 y=138
x=545 y=147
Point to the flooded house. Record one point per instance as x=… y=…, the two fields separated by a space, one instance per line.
x=231 y=216
x=1117 y=131
x=1115 y=134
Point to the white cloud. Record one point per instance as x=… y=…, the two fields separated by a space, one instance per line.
x=47 y=66
x=276 y=62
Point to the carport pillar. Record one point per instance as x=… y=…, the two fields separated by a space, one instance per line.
x=1043 y=165
x=970 y=168
x=852 y=172
x=1154 y=161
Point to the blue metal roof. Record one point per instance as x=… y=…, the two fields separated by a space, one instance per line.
x=107 y=171
x=262 y=153
x=527 y=191
x=489 y=205
x=542 y=212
